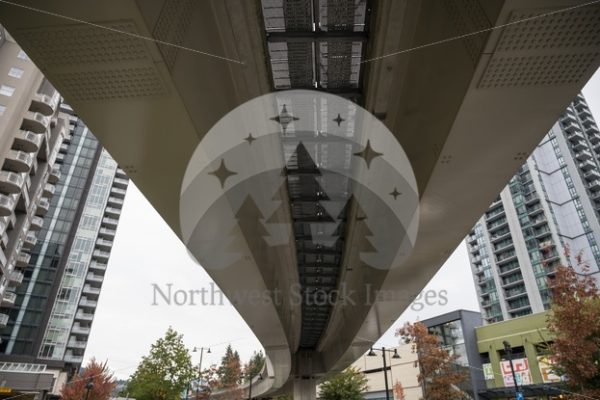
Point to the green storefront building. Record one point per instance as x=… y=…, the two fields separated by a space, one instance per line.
x=528 y=338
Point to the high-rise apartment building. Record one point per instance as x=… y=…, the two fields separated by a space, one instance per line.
x=31 y=132
x=549 y=211
x=49 y=318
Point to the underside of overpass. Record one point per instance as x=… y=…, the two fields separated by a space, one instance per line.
x=466 y=112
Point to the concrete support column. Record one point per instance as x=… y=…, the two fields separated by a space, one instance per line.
x=305 y=389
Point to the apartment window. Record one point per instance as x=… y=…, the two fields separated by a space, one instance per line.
x=16 y=72
x=7 y=90
x=2 y=109
x=22 y=55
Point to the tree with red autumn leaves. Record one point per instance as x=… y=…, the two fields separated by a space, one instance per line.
x=574 y=321
x=101 y=378
x=438 y=375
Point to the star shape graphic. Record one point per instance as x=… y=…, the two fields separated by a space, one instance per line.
x=222 y=173
x=338 y=119
x=284 y=118
x=250 y=139
x=368 y=154
x=395 y=193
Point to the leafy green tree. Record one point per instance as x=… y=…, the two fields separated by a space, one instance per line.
x=230 y=370
x=347 y=385
x=255 y=365
x=164 y=373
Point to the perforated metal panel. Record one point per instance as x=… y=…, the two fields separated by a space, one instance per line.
x=566 y=30
x=468 y=16
x=94 y=64
x=80 y=44
x=556 y=49
x=171 y=27
x=536 y=70
x=111 y=84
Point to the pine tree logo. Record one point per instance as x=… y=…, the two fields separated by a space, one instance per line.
x=300 y=178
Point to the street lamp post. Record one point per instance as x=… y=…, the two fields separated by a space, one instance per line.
x=508 y=352
x=250 y=378
x=395 y=356
x=201 y=349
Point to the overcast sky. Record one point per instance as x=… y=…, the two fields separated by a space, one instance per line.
x=146 y=253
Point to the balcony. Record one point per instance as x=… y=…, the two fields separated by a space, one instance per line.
x=103 y=244
x=492 y=215
x=73 y=358
x=7 y=205
x=114 y=201
x=107 y=233
x=512 y=295
x=49 y=190
x=591 y=175
x=44 y=104
x=16 y=277
x=506 y=257
x=80 y=330
x=587 y=165
x=567 y=117
x=503 y=246
x=593 y=137
x=94 y=265
x=537 y=209
x=120 y=183
x=497 y=225
x=572 y=128
x=101 y=255
x=497 y=236
x=18 y=161
x=594 y=184
x=471 y=239
x=36 y=223
x=579 y=145
x=76 y=344
x=531 y=198
x=35 y=122
x=84 y=302
x=117 y=192
x=82 y=316
x=54 y=175
x=91 y=277
x=538 y=221
x=29 y=241
x=3 y=319
x=89 y=290
x=540 y=233
x=583 y=155
x=9 y=299
x=26 y=141
x=512 y=281
x=11 y=182
x=586 y=119
x=110 y=222
x=23 y=259
x=42 y=207
x=112 y=212
x=593 y=130
x=508 y=269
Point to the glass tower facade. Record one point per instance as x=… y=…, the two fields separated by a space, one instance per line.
x=547 y=215
x=55 y=305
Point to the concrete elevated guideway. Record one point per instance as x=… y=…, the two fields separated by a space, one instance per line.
x=466 y=112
